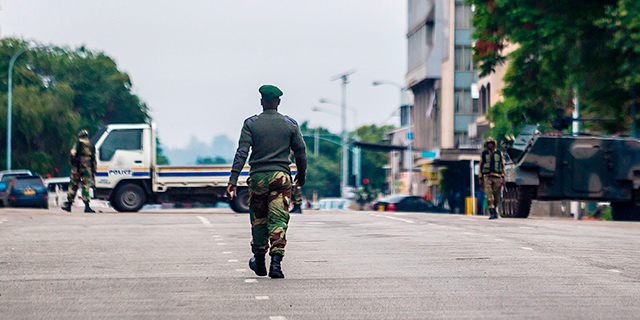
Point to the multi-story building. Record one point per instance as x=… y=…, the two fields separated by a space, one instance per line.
x=441 y=76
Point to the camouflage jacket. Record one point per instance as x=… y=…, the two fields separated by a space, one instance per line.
x=86 y=159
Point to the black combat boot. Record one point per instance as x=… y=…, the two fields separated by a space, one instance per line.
x=297 y=208
x=66 y=206
x=275 y=271
x=87 y=208
x=257 y=264
x=494 y=214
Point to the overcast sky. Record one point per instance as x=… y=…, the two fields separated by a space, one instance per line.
x=198 y=63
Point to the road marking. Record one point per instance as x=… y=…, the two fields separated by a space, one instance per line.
x=250 y=280
x=467 y=219
x=217 y=236
x=501 y=240
x=221 y=244
x=204 y=220
x=531 y=228
x=526 y=248
x=277 y=318
x=394 y=218
x=232 y=260
x=241 y=270
x=470 y=233
x=614 y=270
x=262 y=297
x=218 y=239
x=227 y=252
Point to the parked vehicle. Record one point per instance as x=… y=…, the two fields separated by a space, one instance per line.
x=128 y=176
x=334 y=204
x=407 y=203
x=26 y=191
x=6 y=175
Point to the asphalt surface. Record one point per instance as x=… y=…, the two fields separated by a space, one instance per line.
x=339 y=265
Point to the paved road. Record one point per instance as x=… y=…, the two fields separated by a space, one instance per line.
x=339 y=265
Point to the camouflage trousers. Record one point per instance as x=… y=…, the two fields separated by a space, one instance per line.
x=270 y=193
x=296 y=195
x=84 y=177
x=493 y=190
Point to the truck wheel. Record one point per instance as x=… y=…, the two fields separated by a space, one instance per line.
x=240 y=202
x=625 y=211
x=129 y=198
x=516 y=202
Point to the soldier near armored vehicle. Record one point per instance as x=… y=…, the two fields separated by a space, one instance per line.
x=492 y=175
x=83 y=170
x=271 y=137
x=296 y=199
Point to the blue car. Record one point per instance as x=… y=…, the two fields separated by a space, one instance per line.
x=26 y=191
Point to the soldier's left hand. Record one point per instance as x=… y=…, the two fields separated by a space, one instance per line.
x=299 y=180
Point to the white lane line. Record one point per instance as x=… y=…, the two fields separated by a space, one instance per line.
x=241 y=270
x=467 y=219
x=530 y=228
x=221 y=244
x=394 y=218
x=262 y=297
x=500 y=240
x=469 y=233
x=526 y=248
x=232 y=260
x=277 y=318
x=614 y=270
x=217 y=236
x=250 y=280
x=204 y=220
x=218 y=239
x=227 y=252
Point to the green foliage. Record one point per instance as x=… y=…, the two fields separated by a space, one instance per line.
x=209 y=160
x=323 y=174
x=57 y=91
x=161 y=158
x=560 y=45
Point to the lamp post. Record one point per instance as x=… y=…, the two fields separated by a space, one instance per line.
x=10 y=103
x=409 y=124
x=344 y=78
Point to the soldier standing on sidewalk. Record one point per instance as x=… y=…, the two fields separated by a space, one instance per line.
x=271 y=137
x=492 y=175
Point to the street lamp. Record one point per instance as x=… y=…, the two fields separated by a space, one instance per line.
x=344 y=79
x=403 y=102
x=334 y=103
x=10 y=103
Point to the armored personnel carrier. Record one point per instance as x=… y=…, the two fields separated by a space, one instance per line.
x=572 y=167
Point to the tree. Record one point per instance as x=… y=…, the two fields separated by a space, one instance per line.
x=208 y=160
x=561 y=46
x=56 y=92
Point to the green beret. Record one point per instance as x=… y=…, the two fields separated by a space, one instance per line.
x=269 y=92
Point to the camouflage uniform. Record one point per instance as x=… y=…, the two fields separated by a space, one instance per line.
x=83 y=168
x=492 y=173
x=269 y=210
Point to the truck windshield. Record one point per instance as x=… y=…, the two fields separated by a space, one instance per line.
x=127 y=139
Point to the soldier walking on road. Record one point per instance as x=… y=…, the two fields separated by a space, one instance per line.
x=271 y=137
x=83 y=170
x=492 y=175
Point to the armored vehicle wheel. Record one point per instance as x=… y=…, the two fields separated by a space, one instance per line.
x=240 y=202
x=516 y=202
x=129 y=198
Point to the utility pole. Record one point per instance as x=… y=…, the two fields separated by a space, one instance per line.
x=345 y=155
x=575 y=129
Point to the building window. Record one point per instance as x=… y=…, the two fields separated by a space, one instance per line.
x=462 y=101
x=463 y=16
x=488 y=98
x=463 y=58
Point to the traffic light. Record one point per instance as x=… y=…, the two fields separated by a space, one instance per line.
x=365 y=181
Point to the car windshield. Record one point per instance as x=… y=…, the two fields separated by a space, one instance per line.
x=7 y=177
x=29 y=182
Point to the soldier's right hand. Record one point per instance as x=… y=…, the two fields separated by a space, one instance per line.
x=231 y=191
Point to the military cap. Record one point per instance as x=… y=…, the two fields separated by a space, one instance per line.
x=83 y=133
x=269 y=92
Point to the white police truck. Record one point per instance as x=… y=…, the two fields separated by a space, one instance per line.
x=128 y=176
